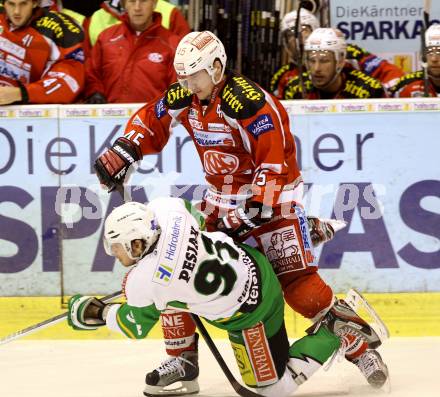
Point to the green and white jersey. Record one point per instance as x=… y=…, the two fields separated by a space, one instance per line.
x=205 y=273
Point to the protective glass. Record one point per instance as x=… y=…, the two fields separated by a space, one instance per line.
x=111 y=248
x=288 y=35
x=433 y=51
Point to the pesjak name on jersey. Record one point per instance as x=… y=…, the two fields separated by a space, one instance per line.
x=190 y=256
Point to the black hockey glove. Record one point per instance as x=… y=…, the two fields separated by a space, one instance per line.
x=96 y=99
x=112 y=166
x=238 y=222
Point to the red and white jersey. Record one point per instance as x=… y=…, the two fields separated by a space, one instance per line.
x=45 y=57
x=413 y=85
x=242 y=137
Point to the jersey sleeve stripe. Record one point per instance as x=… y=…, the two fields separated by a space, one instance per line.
x=124 y=328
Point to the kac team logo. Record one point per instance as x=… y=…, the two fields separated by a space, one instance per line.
x=218 y=163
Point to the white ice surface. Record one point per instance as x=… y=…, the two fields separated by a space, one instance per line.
x=117 y=368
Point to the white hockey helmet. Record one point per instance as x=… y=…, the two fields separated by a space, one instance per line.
x=307 y=18
x=198 y=51
x=128 y=222
x=432 y=36
x=327 y=39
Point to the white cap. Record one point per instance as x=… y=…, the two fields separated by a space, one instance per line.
x=198 y=51
x=307 y=18
x=327 y=39
x=432 y=36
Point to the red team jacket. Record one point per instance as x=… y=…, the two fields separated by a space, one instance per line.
x=127 y=67
x=178 y=24
x=44 y=58
x=243 y=133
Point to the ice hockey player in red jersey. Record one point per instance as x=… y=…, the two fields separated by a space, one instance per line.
x=243 y=138
x=42 y=59
x=328 y=75
x=359 y=58
x=413 y=84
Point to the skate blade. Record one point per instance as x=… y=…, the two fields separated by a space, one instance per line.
x=176 y=389
x=357 y=302
x=386 y=388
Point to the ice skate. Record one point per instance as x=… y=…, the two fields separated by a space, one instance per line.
x=358 y=337
x=175 y=376
x=373 y=368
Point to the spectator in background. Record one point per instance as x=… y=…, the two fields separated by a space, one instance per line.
x=42 y=59
x=329 y=75
x=112 y=12
x=133 y=60
x=372 y=65
x=413 y=84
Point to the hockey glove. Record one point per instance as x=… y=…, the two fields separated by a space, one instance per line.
x=86 y=312
x=96 y=99
x=112 y=166
x=242 y=220
x=323 y=230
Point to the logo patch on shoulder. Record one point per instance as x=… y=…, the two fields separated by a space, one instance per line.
x=262 y=124
x=160 y=109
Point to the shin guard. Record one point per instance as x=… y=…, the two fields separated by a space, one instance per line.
x=178 y=332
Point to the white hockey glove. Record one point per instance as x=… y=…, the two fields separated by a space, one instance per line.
x=86 y=312
x=323 y=230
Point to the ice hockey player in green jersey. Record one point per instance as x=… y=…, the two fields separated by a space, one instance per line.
x=176 y=264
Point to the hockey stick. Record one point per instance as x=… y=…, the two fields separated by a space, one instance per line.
x=426 y=12
x=299 y=49
x=239 y=389
x=50 y=322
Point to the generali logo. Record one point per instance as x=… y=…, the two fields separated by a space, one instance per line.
x=218 y=163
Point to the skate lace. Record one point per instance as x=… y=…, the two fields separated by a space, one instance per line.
x=172 y=365
x=339 y=354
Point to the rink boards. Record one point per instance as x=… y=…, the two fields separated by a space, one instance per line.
x=405 y=314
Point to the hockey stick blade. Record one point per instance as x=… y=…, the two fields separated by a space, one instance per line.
x=49 y=322
x=239 y=389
